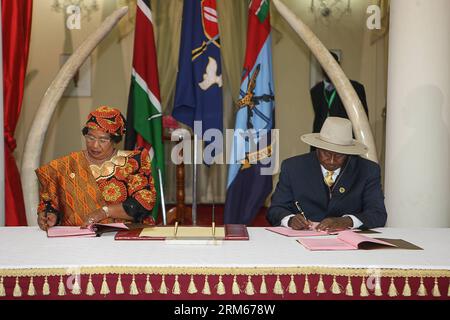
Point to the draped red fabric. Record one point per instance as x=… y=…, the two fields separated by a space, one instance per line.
x=16 y=31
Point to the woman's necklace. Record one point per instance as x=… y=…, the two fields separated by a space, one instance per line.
x=96 y=162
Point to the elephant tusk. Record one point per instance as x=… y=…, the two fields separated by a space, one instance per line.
x=36 y=136
x=350 y=99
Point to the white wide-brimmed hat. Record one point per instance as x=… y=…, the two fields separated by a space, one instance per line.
x=335 y=135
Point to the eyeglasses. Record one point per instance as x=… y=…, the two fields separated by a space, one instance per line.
x=92 y=139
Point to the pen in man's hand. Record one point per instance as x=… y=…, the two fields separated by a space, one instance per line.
x=301 y=211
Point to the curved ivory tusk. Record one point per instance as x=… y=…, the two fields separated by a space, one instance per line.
x=350 y=99
x=35 y=140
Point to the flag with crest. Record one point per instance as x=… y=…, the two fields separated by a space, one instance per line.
x=198 y=94
x=248 y=186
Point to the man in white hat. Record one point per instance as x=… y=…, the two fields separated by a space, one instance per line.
x=331 y=185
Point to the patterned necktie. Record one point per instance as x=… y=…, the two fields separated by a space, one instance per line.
x=329 y=178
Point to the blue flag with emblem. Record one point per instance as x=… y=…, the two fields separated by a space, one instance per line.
x=248 y=185
x=198 y=93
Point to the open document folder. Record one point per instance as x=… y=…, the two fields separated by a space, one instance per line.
x=288 y=232
x=349 y=240
x=93 y=230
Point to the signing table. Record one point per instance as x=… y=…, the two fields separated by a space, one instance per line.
x=268 y=266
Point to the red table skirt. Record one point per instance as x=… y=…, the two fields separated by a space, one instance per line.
x=222 y=287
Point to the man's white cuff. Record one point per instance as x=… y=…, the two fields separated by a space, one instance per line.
x=285 y=221
x=356 y=222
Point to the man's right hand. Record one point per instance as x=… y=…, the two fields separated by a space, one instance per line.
x=297 y=222
x=46 y=221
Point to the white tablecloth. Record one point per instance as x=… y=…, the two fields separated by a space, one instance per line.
x=29 y=247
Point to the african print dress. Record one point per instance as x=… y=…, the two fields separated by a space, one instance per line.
x=72 y=188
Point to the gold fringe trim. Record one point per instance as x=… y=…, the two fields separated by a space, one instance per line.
x=192 y=288
x=422 y=292
x=378 y=291
x=176 y=286
x=247 y=271
x=392 y=292
x=3 y=291
x=249 y=288
x=278 y=287
x=320 y=286
x=163 y=287
x=292 y=286
x=406 y=289
x=133 y=287
x=349 y=288
x=119 y=286
x=76 y=289
x=206 y=289
x=46 y=287
x=335 y=287
x=235 y=288
x=61 y=287
x=105 y=288
x=17 y=289
x=364 y=292
x=306 y=288
x=31 y=290
x=263 y=287
x=220 y=287
x=436 y=292
x=148 y=285
x=90 y=290
x=448 y=290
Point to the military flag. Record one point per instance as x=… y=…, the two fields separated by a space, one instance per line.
x=247 y=186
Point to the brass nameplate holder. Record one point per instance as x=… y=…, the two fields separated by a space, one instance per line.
x=185 y=233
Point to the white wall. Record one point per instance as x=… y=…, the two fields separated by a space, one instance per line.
x=418 y=128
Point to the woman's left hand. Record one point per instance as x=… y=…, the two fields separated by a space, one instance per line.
x=94 y=217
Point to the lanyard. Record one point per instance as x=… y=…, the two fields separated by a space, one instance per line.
x=330 y=100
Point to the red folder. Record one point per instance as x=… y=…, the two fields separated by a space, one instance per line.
x=236 y=232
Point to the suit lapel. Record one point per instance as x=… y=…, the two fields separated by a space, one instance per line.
x=318 y=187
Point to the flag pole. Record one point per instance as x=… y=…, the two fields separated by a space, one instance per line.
x=213 y=216
x=163 y=202
x=194 y=183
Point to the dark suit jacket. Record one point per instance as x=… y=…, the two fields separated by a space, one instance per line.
x=357 y=191
x=337 y=108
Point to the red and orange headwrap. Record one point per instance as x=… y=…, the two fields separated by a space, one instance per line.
x=107 y=119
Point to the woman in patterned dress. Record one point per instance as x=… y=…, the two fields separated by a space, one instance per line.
x=99 y=184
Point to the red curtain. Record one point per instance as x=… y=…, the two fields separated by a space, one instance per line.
x=16 y=30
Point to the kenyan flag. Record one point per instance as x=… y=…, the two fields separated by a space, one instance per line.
x=144 y=125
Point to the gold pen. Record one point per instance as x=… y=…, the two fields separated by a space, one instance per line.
x=213 y=229
x=301 y=212
x=175 y=229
